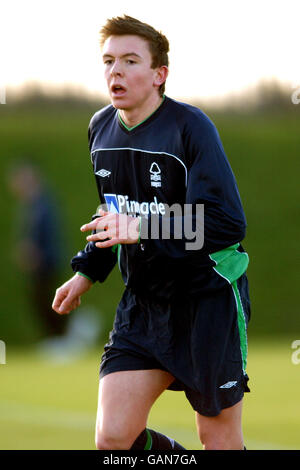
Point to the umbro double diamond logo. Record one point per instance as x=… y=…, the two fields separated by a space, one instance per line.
x=103 y=173
x=229 y=384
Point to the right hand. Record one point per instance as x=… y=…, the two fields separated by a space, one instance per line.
x=67 y=297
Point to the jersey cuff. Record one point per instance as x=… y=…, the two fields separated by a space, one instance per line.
x=140 y=229
x=84 y=275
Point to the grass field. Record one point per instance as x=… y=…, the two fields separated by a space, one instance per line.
x=48 y=406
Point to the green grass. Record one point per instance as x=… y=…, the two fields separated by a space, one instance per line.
x=48 y=406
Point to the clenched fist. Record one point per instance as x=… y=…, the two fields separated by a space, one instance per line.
x=67 y=297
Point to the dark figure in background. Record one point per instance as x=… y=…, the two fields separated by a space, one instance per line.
x=37 y=252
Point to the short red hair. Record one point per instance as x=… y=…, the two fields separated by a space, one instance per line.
x=158 y=43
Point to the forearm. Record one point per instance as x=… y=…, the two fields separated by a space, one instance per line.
x=187 y=235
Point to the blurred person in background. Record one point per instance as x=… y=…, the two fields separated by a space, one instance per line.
x=37 y=250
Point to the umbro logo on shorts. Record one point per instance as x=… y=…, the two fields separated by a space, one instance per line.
x=103 y=173
x=229 y=384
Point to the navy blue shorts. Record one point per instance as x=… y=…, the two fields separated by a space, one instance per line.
x=201 y=340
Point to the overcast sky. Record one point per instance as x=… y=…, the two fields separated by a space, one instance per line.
x=216 y=46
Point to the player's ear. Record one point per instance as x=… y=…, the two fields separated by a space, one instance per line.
x=161 y=75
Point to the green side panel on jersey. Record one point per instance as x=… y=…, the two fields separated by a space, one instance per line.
x=230 y=263
x=241 y=325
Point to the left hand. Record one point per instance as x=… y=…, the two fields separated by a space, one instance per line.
x=118 y=228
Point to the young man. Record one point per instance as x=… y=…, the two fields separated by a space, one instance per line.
x=181 y=323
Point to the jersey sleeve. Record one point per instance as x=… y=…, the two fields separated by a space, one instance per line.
x=211 y=183
x=96 y=263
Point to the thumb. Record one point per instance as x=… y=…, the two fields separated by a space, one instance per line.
x=60 y=295
x=103 y=212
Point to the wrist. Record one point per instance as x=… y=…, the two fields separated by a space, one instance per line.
x=79 y=273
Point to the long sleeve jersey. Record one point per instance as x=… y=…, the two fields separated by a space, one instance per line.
x=174 y=157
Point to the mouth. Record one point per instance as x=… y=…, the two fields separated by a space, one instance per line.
x=117 y=90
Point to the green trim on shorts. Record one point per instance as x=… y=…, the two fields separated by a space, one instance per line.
x=148 y=445
x=241 y=325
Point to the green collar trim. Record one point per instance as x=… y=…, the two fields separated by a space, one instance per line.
x=131 y=128
x=148 y=445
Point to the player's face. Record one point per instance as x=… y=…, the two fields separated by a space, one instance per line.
x=131 y=81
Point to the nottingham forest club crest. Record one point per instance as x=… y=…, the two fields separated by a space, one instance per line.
x=155 y=175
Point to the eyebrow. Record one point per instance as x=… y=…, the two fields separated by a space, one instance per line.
x=124 y=55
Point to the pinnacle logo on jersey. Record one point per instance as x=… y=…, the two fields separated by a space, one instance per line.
x=117 y=203
x=112 y=203
x=103 y=173
x=155 y=175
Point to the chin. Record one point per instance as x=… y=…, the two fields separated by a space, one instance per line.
x=118 y=104
x=121 y=107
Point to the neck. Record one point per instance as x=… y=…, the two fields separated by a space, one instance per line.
x=132 y=117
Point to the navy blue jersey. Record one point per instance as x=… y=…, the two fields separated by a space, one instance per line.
x=173 y=157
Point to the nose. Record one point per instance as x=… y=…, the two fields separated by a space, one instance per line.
x=116 y=69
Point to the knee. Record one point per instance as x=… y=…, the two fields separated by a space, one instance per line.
x=111 y=440
x=221 y=439
x=213 y=442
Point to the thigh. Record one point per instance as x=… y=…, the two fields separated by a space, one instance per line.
x=125 y=399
